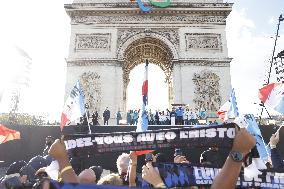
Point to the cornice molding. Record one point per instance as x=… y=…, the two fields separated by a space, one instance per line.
x=134 y=5
x=91 y=9
x=91 y=62
x=205 y=62
x=182 y=62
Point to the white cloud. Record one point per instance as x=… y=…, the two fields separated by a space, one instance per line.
x=272 y=20
x=251 y=55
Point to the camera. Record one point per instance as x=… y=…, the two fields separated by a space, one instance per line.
x=178 y=152
x=41 y=175
x=149 y=157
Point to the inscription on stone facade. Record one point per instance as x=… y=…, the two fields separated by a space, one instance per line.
x=207 y=92
x=199 y=41
x=93 y=41
x=91 y=84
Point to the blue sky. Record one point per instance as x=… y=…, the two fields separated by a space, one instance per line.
x=251 y=28
x=43 y=31
x=261 y=11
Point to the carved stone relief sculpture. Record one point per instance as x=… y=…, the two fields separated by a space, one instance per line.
x=92 y=90
x=207 y=92
x=202 y=41
x=93 y=41
x=147 y=19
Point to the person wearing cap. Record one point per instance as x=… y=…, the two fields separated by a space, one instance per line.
x=37 y=162
x=15 y=167
x=98 y=170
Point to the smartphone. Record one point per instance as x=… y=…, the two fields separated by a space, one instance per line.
x=149 y=157
x=178 y=152
x=41 y=175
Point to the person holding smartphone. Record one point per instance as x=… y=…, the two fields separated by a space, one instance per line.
x=179 y=157
x=151 y=174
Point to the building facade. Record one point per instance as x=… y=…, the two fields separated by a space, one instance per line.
x=187 y=40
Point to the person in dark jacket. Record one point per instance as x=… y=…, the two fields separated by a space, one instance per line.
x=212 y=156
x=106 y=116
x=128 y=117
x=276 y=159
x=118 y=117
x=173 y=116
x=48 y=142
x=95 y=117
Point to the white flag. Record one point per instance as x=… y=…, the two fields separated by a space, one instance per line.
x=74 y=107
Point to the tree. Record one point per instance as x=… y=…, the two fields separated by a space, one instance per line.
x=22 y=119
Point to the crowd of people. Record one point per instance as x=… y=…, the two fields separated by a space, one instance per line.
x=37 y=173
x=176 y=116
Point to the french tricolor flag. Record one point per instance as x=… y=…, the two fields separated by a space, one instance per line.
x=74 y=107
x=272 y=95
x=142 y=124
x=229 y=109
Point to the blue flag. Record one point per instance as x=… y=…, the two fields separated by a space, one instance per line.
x=233 y=110
x=254 y=130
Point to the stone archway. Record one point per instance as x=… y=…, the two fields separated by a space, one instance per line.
x=157 y=52
x=188 y=42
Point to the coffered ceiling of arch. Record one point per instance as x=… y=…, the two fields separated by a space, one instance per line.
x=170 y=34
x=148 y=48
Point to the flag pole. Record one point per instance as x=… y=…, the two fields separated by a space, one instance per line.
x=86 y=113
x=147 y=63
x=278 y=130
x=271 y=62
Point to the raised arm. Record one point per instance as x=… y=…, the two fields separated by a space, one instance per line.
x=276 y=159
x=58 y=152
x=152 y=176
x=228 y=176
x=132 y=168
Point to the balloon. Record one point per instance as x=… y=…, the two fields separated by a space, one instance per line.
x=143 y=7
x=161 y=4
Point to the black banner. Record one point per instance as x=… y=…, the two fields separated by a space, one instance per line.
x=192 y=137
x=183 y=175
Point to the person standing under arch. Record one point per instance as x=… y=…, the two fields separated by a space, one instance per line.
x=106 y=116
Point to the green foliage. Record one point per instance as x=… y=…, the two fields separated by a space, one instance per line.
x=21 y=119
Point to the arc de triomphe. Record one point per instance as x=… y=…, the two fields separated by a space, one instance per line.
x=187 y=40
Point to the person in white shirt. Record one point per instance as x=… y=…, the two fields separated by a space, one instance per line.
x=192 y=117
x=186 y=117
